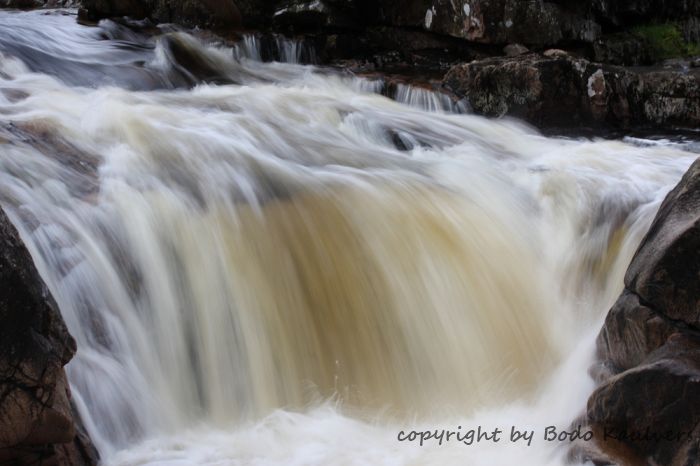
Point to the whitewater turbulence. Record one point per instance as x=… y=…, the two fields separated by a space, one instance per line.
x=272 y=263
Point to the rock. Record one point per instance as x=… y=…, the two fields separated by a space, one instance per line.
x=257 y=13
x=556 y=53
x=203 y=13
x=665 y=272
x=97 y=9
x=316 y=14
x=490 y=21
x=21 y=4
x=183 y=53
x=562 y=90
x=648 y=11
x=622 y=49
x=651 y=414
x=217 y=14
x=690 y=28
x=545 y=90
x=35 y=412
x=631 y=332
x=651 y=343
x=415 y=52
x=514 y=50
x=667 y=98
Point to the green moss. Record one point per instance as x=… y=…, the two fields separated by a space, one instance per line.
x=666 y=41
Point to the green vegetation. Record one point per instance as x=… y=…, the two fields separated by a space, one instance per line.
x=666 y=41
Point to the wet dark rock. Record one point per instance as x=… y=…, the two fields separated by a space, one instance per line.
x=189 y=64
x=21 y=4
x=36 y=420
x=98 y=9
x=544 y=89
x=558 y=88
x=665 y=272
x=622 y=49
x=393 y=49
x=515 y=50
x=305 y=15
x=33 y=4
x=256 y=13
x=204 y=13
x=690 y=29
x=635 y=11
x=490 y=21
x=650 y=414
x=215 y=14
x=631 y=332
x=647 y=408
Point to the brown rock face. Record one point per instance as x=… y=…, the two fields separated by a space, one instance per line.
x=35 y=412
x=631 y=332
x=648 y=410
x=649 y=414
x=559 y=89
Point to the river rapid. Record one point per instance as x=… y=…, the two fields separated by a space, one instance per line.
x=270 y=263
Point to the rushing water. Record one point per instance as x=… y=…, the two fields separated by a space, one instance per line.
x=271 y=263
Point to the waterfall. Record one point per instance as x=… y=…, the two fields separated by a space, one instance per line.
x=273 y=263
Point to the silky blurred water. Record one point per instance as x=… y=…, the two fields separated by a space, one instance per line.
x=271 y=263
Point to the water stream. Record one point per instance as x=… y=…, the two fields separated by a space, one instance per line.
x=272 y=263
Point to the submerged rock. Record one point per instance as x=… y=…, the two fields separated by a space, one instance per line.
x=648 y=410
x=36 y=420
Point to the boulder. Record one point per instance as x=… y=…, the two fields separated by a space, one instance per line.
x=490 y=21
x=631 y=332
x=36 y=420
x=559 y=89
x=665 y=272
x=647 y=409
x=551 y=89
x=650 y=414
